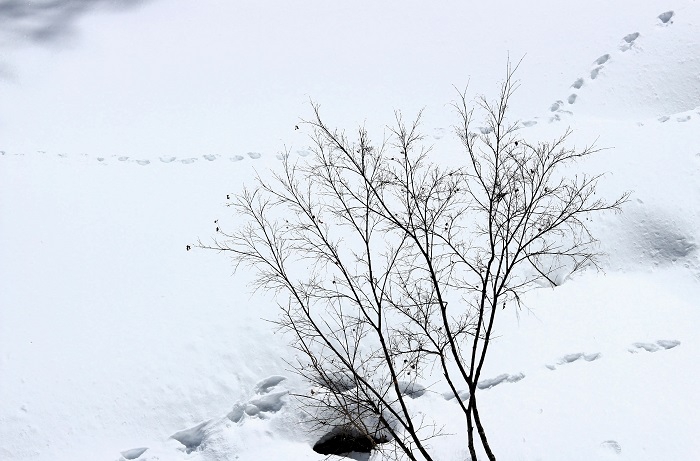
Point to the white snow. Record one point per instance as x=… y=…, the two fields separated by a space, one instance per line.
x=124 y=125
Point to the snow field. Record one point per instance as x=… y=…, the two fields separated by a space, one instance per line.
x=117 y=343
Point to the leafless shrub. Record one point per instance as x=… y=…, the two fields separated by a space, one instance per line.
x=389 y=267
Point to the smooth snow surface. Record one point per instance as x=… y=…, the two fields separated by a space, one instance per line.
x=124 y=125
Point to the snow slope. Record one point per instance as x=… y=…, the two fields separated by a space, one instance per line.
x=122 y=131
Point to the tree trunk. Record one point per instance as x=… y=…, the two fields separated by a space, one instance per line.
x=482 y=434
x=470 y=429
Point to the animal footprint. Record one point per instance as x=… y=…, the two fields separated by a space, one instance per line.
x=143 y=162
x=263 y=403
x=504 y=378
x=236 y=158
x=191 y=438
x=412 y=390
x=629 y=41
x=654 y=347
x=264 y=386
x=268 y=403
x=167 y=159
x=612 y=446
x=630 y=38
x=577 y=84
x=571 y=99
x=595 y=72
x=133 y=453
x=683 y=118
x=665 y=18
x=254 y=155
x=211 y=158
x=603 y=59
x=570 y=358
x=187 y=161
x=438 y=133
x=462 y=395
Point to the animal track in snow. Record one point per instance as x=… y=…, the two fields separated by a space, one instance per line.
x=603 y=59
x=268 y=403
x=162 y=159
x=412 y=390
x=630 y=38
x=133 y=453
x=504 y=378
x=570 y=358
x=683 y=118
x=462 y=395
x=438 y=133
x=573 y=357
x=263 y=402
x=665 y=18
x=264 y=386
x=613 y=446
x=664 y=344
x=191 y=438
x=629 y=41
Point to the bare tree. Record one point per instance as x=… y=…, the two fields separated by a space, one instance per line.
x=389 y=267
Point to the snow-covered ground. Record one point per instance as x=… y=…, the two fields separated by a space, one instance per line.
x=123 y=125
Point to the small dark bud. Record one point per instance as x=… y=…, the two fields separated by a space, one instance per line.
x=188 y=248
